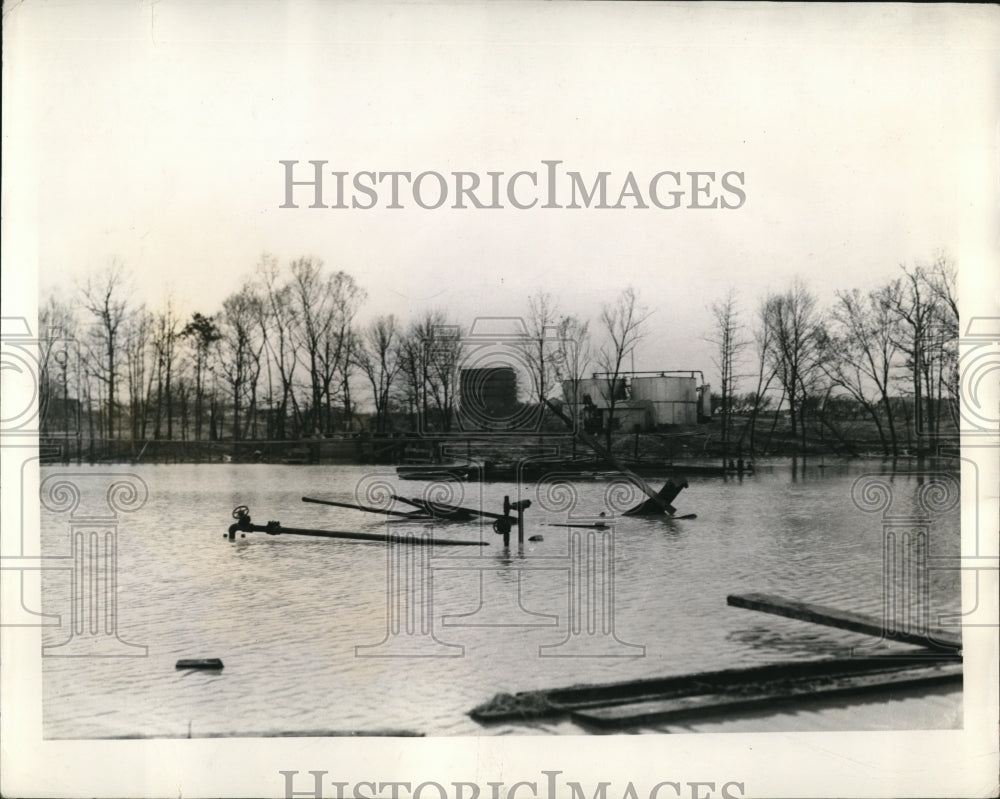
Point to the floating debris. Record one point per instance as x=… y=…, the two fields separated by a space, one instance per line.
x=635 y=702
x=936 y=639
x=200 y=663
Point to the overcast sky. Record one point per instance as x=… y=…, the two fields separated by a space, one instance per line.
x=153 y=134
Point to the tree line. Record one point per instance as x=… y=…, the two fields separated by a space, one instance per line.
x=891 y=351
x=285 y=358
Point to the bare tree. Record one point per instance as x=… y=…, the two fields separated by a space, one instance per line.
x=278 y=324
x=542 y=344
x=943 y=280
x=727 y=336
x=58 y=369
x=572 y=359
x=135 y=346
x=759 y=399
x=338 y=342
x=793 y=326
x=313 y=319
x=411 y=367
x=429 y=357
x=203 y=333
x=859 y=354
x=380 y=361
x=345 y=369
x=242 y=345
x=106 y=297
x=443 y=355
x=166 y=333
x=623 y=326
x=324 y=306
x=915 y=304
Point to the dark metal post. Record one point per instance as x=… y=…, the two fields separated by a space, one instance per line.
x=506 y=513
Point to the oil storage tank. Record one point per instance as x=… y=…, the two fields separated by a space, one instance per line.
x=672 y=399
x=487 y=398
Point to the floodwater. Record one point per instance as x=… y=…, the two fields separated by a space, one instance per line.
x=342 y=636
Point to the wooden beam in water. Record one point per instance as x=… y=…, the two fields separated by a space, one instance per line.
x=709 y=704
x=773 y=677
x=843 y=620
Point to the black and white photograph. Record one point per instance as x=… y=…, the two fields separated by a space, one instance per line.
x=500 y=401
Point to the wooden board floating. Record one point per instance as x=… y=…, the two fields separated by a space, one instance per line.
x=707 y=704
x=845 y=620
x=200 y=663
x=798 y=678
x=637 y=702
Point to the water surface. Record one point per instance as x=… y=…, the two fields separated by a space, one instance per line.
x=303 y=624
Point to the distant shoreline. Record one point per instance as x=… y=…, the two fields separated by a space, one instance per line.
x=529 y=466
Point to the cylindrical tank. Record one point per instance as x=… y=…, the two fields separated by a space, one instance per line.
x=670 y=388
x=673 y=399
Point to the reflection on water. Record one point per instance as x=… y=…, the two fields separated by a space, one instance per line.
x=303 y=625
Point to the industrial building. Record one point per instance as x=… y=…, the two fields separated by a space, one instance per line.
x=646 y=401
x=487 y=397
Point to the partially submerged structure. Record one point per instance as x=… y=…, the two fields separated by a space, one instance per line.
x=632 y=704
x=643 y=401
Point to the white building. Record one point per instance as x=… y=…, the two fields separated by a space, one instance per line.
x=648 y=399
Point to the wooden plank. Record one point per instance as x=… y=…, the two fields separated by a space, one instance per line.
x=560 y=701
x=842 y=619
x=660 y=710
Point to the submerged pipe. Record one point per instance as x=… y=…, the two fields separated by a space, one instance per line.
x=245 y=525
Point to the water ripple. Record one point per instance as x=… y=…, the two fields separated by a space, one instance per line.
x=286 y=614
